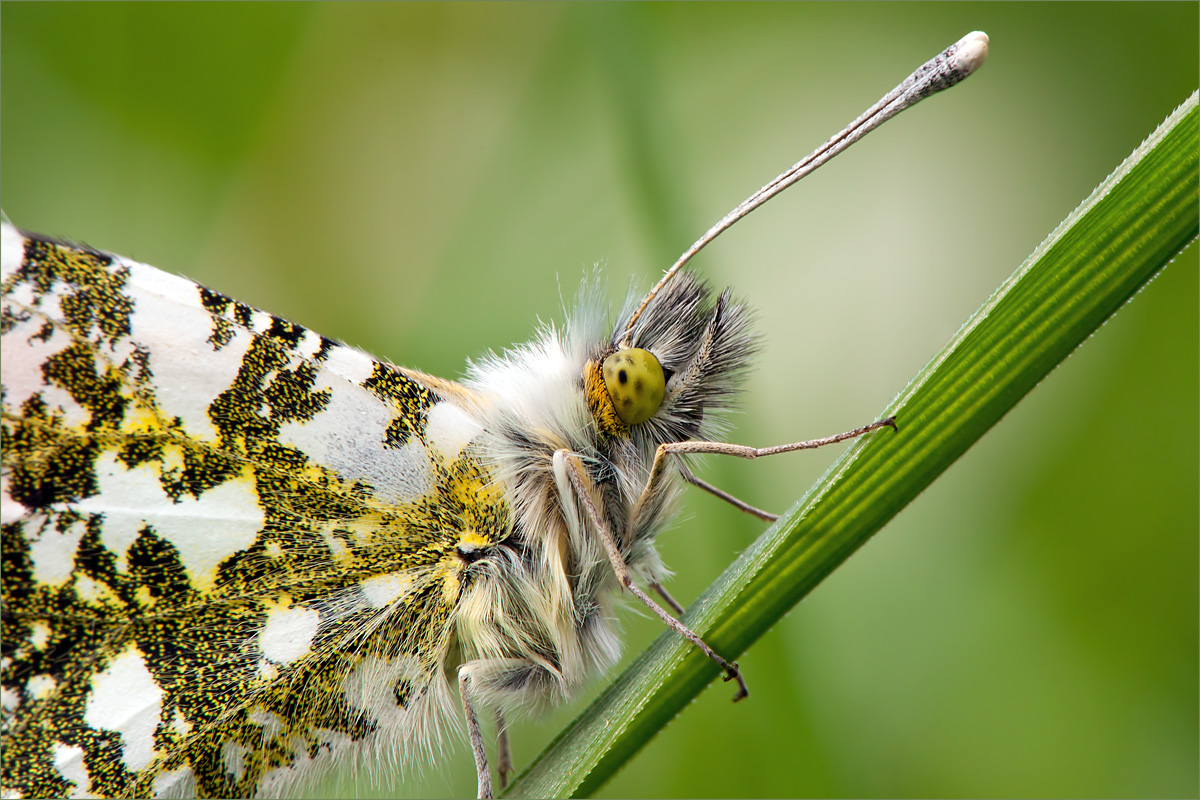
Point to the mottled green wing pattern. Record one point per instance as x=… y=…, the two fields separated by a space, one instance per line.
x=232 y=548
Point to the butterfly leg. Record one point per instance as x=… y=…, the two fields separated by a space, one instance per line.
x=736 y=502
x=504 y=764
x=482 y=772
x=493 y=683
x=658 y=472
x=666 y=596
x=580 y=481
x=658 y=469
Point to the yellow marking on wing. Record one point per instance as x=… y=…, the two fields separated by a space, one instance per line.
x=473 y=540
x=447 y=574
x=140 y=419
x=476 y=492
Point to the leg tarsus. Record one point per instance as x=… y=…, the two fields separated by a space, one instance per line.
x=743 y=691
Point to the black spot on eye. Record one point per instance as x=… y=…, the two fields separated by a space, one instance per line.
x=622 y=377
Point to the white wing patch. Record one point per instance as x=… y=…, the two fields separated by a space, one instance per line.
x=383 y=590
x=110 y=706
x=53 y=554
x=347 y=436
x=68 y=762
x=288 y=633
x=352 y=365
x=450 y=429
x=205 y=530
x=188 y=372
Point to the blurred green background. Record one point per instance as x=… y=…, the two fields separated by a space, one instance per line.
x=427 y=181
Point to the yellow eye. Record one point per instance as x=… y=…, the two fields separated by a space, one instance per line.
x=635 y=383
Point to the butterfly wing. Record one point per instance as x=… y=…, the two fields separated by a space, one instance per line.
x=230 y=544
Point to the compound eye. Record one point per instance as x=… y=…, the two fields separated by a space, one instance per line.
x=635 y=383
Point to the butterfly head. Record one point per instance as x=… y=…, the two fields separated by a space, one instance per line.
x=663 y=372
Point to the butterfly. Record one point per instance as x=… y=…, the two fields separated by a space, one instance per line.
x=237 y=553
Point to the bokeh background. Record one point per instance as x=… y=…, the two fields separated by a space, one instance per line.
x=428 y=181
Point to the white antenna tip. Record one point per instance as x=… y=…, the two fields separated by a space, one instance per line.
x=970 y=51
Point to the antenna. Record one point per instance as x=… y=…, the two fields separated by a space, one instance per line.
x=942 y=71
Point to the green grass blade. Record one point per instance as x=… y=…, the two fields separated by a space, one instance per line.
x=1131 y=226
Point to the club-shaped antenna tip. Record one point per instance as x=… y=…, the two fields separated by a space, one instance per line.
x=942 y=71
x=971 y=51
